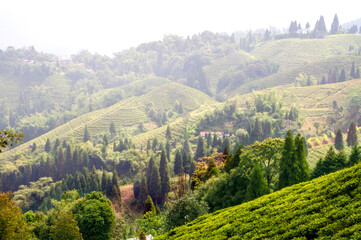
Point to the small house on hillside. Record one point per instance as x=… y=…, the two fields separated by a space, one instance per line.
x=219 y=134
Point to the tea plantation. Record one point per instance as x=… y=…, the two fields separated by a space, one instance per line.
x=324 y=208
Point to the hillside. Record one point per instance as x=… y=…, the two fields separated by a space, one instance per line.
x=324 y=208
x=126 y=115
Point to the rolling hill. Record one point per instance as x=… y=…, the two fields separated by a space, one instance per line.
x=324 y=208
x=126 y=115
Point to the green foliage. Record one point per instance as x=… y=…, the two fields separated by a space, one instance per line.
x=66 y=228
x=355 y=156
x=9 y=138
x=148 y=205
x=95 y=216
x=12 y=224
x=324 y=208
x=164 y=176
x=178 y=163
x=339 y=140
x=332 y=162
x=257 y=185
x=352 y=135
x=151 y=223
x=86 y=134
x=185 y=210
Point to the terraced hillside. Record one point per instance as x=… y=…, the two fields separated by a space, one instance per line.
x=126 y=115
x=324 y=208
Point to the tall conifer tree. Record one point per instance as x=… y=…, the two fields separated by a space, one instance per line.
x=339 y=140
x=257 y=185
x=286 y=177
x=352 y=135
x=164 y=176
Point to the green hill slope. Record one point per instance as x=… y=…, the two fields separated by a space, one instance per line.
x=290 y=53
x=324 y=208
x=126 y=115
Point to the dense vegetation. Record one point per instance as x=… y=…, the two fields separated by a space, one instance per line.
x=166 y=132
x=326 y=207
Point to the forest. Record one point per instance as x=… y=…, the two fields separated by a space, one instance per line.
x=174 y=138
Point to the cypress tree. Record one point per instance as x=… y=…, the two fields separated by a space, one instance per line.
x=301 y=161
x=339 y=140
x=342 y=76
x=178 y=163
x=200 y=148
x=86 y=134
x=186 y=161
x=353 y=72
x=149 y=205
x=186 y=147
x=143 y=192
x=257 y=185
x=355 y=156
x=335 y=25
x=286 y=176
x=167 y=149
x=112 y=129
x=164 y=176
x=105 y=140
x=56 y=145
x=151 y=166
x=168 y=133
x=352 y=135
x=257 y=132
x=154 y=186
x=104 y=182
x=115 y=193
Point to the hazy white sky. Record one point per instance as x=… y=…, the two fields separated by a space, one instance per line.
x=107 y=26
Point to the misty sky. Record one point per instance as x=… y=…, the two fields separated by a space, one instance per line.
x=106 y=26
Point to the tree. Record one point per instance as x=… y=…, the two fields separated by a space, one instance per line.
x=353 y=71
x=164 y=176
x=257 y=132
x=112 y=129
x=320 y=28
x=66 y=228
x=12 y=224
x=335 y=25
x=47 y=146
x=257 y=184
x=234 y=160
x=167 y=149
x=355 y=156
x=268 y=153
x=302 y=167
x=342 y=76
x=357 y=74
x=331 y=163
x=86 y=134
x=95 y=216
x=178 y=163
x=143 y=192
x=148 y=205
x=339 y=140
x=200 y=149
x=352 y=135
x=154 y=186
x=9 y=138
x=33 y=148
x=168 y=133
x=286 y=175
x=185 y=210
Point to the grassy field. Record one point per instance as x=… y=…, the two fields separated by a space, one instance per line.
x=324 y=208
